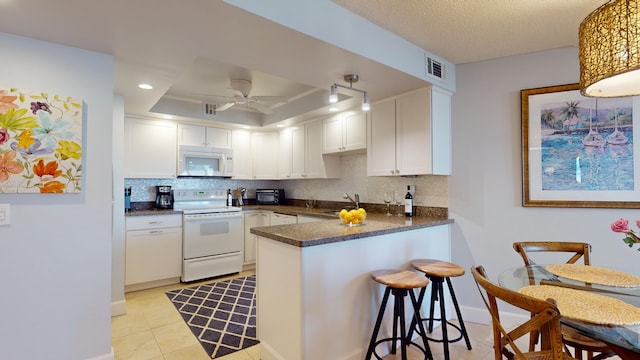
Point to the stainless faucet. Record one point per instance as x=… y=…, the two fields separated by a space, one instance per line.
x=356 y=201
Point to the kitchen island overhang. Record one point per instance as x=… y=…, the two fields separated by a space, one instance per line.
x=315 y=297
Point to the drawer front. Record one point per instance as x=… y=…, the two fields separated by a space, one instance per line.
x=153 y=222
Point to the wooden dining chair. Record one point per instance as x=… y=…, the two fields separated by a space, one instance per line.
x=576 y=251
x=545 y=318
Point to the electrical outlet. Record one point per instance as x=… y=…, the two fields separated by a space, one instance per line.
x=5 y=214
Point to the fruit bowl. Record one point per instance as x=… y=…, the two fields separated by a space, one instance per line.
x=352 y=217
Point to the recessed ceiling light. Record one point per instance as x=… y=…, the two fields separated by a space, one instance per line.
x=145 y=86
x=280 y=125
x=168 y=117
x=333 y=109
x=246 y=127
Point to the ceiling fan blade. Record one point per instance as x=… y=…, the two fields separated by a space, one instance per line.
x=224 y=107
x=261 y=108
x=271 y=99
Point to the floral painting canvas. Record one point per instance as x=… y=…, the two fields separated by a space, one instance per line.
x=40 y=142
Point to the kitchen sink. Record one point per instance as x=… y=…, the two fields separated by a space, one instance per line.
x=332 y=212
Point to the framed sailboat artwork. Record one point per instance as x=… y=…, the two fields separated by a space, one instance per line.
x=579 y=151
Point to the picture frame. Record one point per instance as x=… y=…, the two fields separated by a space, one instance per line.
x=579 y=151
x=41 y=144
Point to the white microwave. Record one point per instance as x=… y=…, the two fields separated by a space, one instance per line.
x=195 y=161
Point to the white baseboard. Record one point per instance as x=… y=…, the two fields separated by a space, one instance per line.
x=481 y=316
x=109 y=356
x=151 y=284
x=118 y=307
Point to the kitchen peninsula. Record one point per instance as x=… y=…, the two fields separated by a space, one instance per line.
x=315 y=296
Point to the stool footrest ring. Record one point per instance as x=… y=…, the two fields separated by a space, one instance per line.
x=420 y=347
x=460 y=336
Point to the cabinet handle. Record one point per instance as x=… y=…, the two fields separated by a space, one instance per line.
x=155 y=231
x=154 y=222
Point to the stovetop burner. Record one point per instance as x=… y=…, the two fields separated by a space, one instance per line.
x=202 y=200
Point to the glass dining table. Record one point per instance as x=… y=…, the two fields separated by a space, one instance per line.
x=624 y=340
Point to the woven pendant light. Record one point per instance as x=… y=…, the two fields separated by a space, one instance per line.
x=609 y=44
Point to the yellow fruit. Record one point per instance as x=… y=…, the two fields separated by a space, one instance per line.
x=362 y=211
x=343 y=212
x=355 y=221
x=347 y=217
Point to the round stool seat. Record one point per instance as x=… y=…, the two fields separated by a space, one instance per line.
x=400 y=279
x=439 y=268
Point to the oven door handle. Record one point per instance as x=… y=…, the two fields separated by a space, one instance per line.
x=209 y=217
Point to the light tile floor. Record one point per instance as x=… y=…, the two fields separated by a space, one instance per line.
x=152 y=329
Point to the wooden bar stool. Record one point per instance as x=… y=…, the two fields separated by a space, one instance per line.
x=399 y=282
x=438 y=272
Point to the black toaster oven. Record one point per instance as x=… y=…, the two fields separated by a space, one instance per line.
x=270 y=196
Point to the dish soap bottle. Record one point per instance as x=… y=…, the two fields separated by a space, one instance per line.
x=229 y=198
x=408 y=203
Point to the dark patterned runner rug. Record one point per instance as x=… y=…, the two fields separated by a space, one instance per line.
x=222 y=315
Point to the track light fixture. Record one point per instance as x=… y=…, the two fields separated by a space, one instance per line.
x=333 y=98
x=365 y=102
x=350 y=78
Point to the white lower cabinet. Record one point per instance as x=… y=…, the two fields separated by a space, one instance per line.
x=253 y=219
x=283 y=219
x=307 y=219
x=153 y=250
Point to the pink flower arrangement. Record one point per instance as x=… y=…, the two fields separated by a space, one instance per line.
x=622 y=226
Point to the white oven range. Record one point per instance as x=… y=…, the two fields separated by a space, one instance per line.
x=211 y=234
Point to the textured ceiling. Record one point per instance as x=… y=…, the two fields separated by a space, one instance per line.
x=464 y=31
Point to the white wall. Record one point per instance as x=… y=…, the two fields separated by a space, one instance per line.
x=118 y=302
x=485 y=191
x=55 y=256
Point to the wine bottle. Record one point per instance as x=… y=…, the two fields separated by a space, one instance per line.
x=408 y=203
x=229 y=198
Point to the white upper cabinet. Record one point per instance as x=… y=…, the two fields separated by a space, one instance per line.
x=264 y=153
x=297 y=152
x=255 y=155
x=301 y=154
x=149 y=148
x=241 y=140
x=196 y=135
x=313 y=161
x=381 y=139
x=410 y=134
x=345 y=132
x=284 y=156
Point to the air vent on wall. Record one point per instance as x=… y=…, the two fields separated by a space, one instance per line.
x=209 y=109
x=435 y=68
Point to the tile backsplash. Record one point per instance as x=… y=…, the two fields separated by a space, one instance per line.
x=431 y=190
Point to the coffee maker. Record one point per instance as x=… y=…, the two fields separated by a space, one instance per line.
x=164 y=197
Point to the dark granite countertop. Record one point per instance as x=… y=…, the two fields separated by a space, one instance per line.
x=294 y=210
x=332 y=230
x=152 y=212
x=326 y=231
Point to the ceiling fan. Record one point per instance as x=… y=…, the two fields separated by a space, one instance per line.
x=243 y=87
